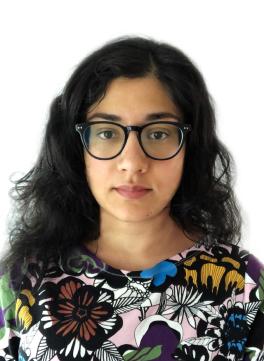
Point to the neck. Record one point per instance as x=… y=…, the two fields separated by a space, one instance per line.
x=139 y=242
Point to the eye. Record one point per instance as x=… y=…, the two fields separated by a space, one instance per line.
x=105 y=133
x=158 y=135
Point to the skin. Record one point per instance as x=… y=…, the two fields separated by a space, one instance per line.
x=135 y=233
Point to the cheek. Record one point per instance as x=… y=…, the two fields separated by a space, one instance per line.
x=95 y=172
x=89 y=169
x=170 y=175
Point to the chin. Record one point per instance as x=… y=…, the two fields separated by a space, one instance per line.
x=133 y=216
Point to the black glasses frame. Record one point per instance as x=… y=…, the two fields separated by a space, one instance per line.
x=81 y=127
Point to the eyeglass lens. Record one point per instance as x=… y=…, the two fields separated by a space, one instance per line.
x=159 y=140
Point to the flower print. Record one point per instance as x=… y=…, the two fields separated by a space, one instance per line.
x=38 y=269
x=7 y=306
x=2 y=322
x=160 y=271
x=156 y=339
x=142 y=354
x=113 y=280
x=255 y=273
x=25 y=315
x=255 y=339
x=216 y=274
x=185 y=302
x=22 y=356
x=77 y=318
x=190 y=353
x=255 y=268
x=79 y=260
x=255 y=354
x=228 y=331
x=156 y=330
x=230 y=253
x=24 y=306
x=134 y=289
x=9 y=353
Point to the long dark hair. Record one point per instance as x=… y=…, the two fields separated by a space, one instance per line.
x=54 y=207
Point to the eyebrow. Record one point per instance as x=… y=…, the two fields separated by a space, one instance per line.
x=149 y=117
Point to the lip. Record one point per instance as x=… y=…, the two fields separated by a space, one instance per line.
x=129 y=188
x=132 y=192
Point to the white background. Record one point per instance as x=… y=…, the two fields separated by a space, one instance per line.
x=43 y=41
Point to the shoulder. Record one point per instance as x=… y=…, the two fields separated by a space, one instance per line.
x=9 y=334
x=242 y=267
x=242 y=257
x=229 y=266
x=238 y=256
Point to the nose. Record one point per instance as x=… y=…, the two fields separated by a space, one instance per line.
x=132 y=157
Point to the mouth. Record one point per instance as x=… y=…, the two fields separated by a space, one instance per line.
x=132 y=193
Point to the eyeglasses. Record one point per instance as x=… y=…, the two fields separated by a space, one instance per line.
x=158 y=140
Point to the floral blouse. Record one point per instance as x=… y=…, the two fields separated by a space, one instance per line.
x=202 y=304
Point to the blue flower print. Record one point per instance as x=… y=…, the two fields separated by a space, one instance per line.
x=21 y=357
x=159 y=272
x=235 y=323
x=230 y=331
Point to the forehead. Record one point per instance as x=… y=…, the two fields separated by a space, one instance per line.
x=136 y=97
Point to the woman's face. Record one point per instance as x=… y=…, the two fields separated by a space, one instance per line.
x=132 y=100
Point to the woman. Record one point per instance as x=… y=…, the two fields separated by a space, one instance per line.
x=124 y=244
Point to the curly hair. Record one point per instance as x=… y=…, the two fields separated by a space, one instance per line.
x=54 y=207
